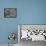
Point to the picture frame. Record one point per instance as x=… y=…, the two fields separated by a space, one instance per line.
x=10 y=12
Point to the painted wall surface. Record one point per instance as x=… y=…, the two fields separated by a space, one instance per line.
x=28 y=12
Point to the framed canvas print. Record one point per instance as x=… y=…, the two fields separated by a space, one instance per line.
x=12 y=38
x=31 y=33
x=10 y=12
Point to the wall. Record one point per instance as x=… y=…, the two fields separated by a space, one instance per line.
x=33 y=12
x=7 y=25
x=28 y=12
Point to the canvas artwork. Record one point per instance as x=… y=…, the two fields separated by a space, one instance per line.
x=32 y=35
x=33 y=32
x=10 y=12
x=12 y=38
